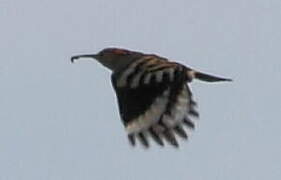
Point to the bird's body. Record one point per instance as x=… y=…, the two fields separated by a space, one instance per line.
x=153 y=95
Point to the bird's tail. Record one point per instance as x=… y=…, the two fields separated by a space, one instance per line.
x=206 y=77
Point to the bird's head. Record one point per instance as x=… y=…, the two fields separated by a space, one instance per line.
x=112 y=58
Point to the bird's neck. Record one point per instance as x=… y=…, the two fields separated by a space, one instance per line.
x=117 y=67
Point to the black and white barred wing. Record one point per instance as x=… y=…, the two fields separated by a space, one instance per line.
x=154 y=101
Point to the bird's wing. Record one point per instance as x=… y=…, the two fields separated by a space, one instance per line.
x=155 y=103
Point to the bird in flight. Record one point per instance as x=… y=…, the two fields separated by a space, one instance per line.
x=153 y=95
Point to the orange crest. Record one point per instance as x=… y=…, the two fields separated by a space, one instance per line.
x=120 y=51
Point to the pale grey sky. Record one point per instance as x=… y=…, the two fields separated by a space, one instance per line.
x=59 y=121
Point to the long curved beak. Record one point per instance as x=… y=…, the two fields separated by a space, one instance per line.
x=74 y=58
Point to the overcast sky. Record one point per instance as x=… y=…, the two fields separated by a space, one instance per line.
x=60 y=121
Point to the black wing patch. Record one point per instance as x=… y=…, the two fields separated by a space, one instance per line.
x=136 y=102
x=133 y=102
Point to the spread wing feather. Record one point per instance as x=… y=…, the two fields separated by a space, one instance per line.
x=155 y=103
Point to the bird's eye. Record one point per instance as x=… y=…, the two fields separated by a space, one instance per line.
x=101 y=54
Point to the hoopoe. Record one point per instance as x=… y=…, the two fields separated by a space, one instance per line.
x=153 y=94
